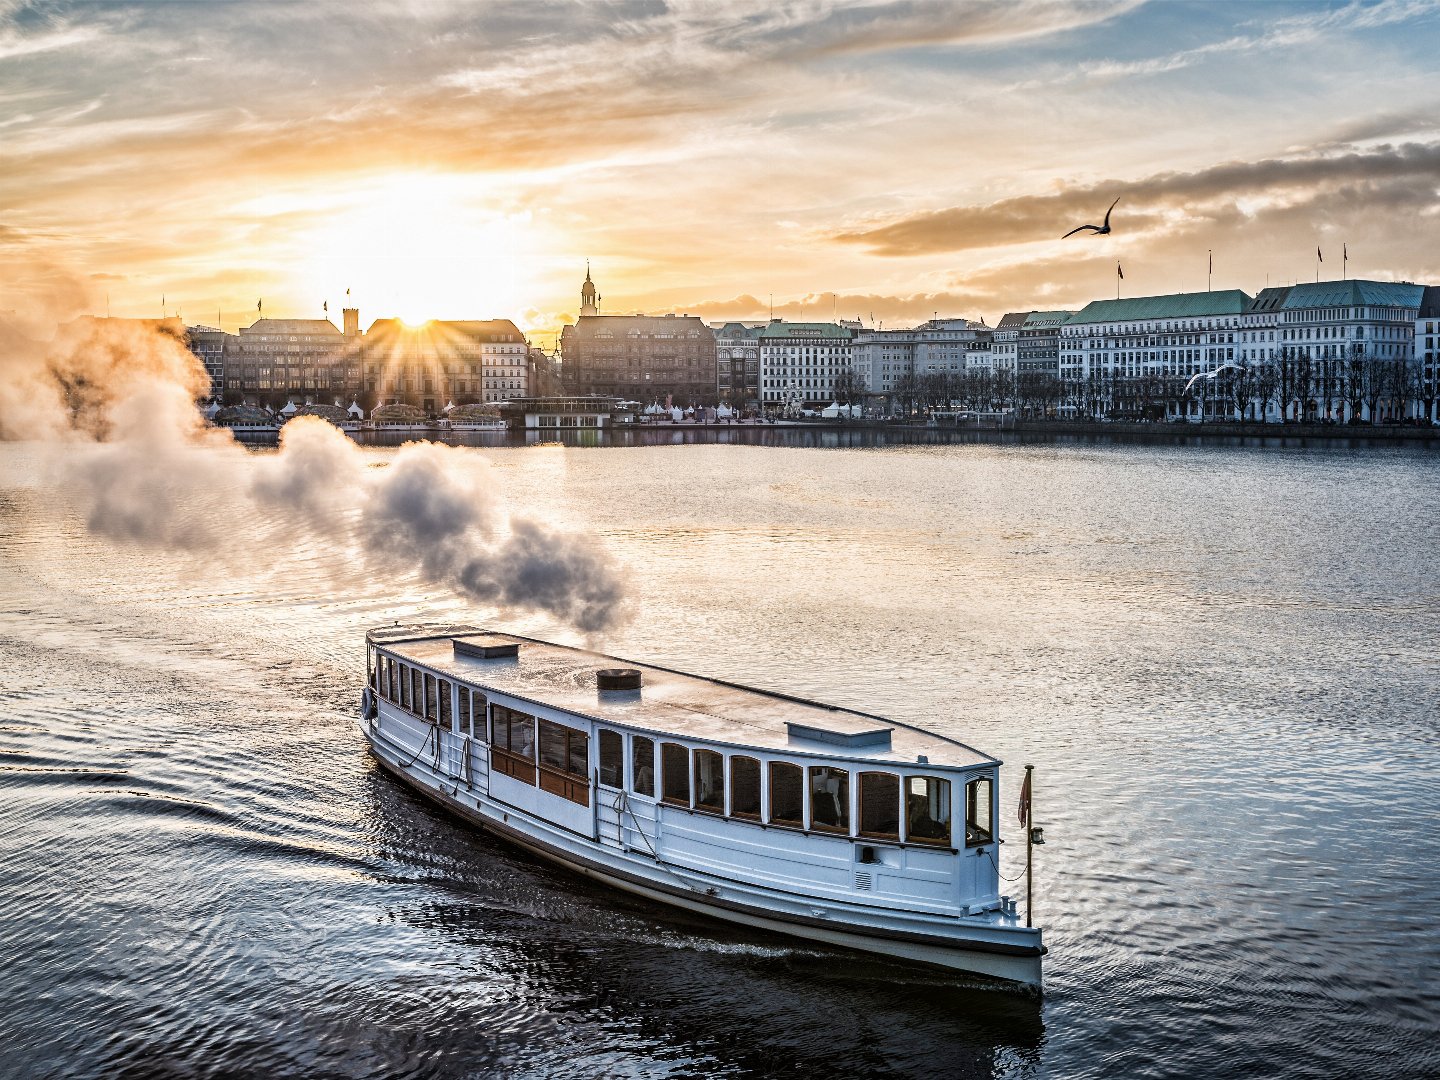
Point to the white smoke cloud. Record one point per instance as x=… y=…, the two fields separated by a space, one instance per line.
x=114 y=399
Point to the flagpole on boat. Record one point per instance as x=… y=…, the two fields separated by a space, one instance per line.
x=1029 y=844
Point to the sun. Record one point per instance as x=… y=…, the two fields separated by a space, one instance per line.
x=421 y=246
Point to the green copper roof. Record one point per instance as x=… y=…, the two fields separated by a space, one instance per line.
x=1174 y=306
x=1354 y=294
x=1048 y=318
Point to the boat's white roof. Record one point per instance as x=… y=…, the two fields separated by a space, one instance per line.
x=670 y=702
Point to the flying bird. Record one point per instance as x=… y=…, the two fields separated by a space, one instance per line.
x=1211 y=374
x=1098 y=230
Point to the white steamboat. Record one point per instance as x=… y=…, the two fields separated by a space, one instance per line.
x=749 y=806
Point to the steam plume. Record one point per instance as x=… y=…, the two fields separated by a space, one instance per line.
x=115 y=400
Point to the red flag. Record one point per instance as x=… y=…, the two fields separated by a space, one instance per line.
x=1025 y=800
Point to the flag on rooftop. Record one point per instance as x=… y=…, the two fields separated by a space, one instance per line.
x=1024 y=809
x=1318 y=255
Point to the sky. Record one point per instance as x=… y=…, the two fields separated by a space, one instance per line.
x=881 y=161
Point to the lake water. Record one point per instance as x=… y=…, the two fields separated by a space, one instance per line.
x=1222 y=661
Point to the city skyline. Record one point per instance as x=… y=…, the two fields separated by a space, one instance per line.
x=913 y=159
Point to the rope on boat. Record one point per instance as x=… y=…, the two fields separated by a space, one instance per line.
x=621 y=807
x=991 y=856
x=421 y=750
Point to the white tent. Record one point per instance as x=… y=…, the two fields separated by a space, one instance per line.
x=356 y=411
x=654 y=410
x=448 y=406
x=290 y=409
x=211 y=410
x=723 y=411
x=676 y=414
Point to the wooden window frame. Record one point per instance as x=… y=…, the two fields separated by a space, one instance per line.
x=988 y=835
x=844 y=803
x=600 y=741
x=506 y=761
x=635 y=771
x=665 y=797
x=948 y=841
x=746 y=815
x=562 y=781
x=771 y=769
x=877 y=834
x=705 y=808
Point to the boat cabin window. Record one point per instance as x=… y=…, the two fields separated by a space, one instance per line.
x=787 y=795
x=710 y=781
x=417 y=692
x=445 y=700
x=513 y=743
x=392 y=685
x=477 y=714
x=612 y=758
x=829 y=799
x=675 y=773
x=927 y=810
x=978 y=827
x=565 y=762
x=382 y=679
x=431 y=712
x=372 y=668
x=642 y=765
x=745 y=788
x=880 y=805
x=404 y=697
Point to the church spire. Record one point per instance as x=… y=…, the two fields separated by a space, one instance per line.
x=588 y=298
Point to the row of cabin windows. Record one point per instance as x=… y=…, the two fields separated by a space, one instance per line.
x=697 y=779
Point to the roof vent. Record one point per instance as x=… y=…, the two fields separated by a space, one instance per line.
x=620 y=678
x=486 y=648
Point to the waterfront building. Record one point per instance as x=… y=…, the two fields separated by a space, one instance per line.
x=803 y=364
x=1132 y=357
x=445 y=362
x=1348 y=348
x=641 y=358
x=1427 y=356
x=1005 y=345
x=737 y=362
x=210 y=345
x=650 y=358
x=275 y=361
x=1038 y=345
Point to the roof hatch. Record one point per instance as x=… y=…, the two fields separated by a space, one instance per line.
x=878 y=737
x=486 y=647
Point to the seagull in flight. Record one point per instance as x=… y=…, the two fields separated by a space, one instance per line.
x=1098 y=230
x=1211 y=374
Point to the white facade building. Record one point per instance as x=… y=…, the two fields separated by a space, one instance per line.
x=800 y=362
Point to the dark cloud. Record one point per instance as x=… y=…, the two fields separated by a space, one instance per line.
x=1144 y=204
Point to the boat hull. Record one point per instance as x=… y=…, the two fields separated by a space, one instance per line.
x=987 y=949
